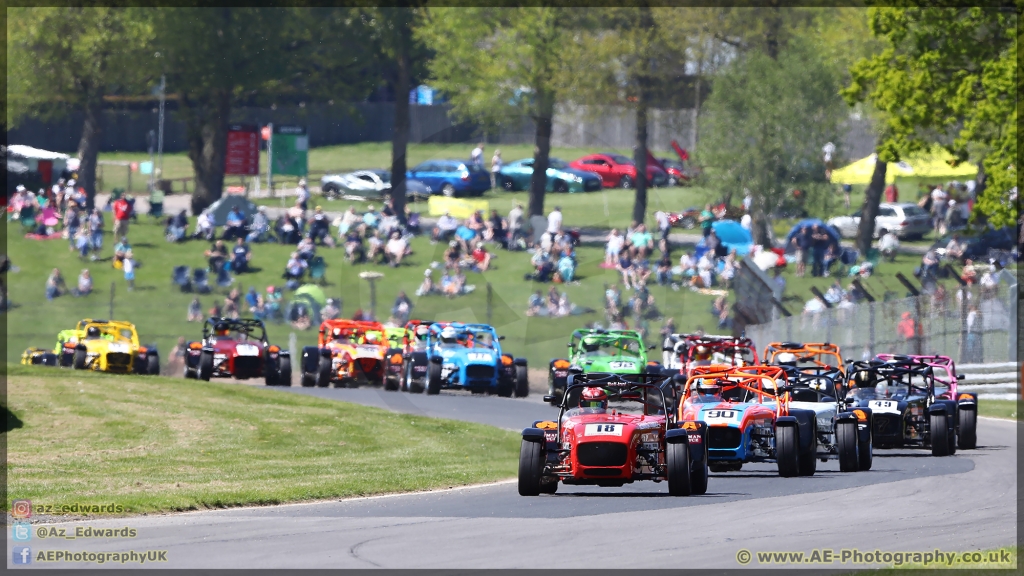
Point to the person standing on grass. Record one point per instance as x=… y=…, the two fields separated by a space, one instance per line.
x=555 y=221
x=303 y=194
x=122 y=212
x=515 y=224
x=496 y=164
x=477 y=155
x=707 y=217
x=96 y=228
x=129 y=270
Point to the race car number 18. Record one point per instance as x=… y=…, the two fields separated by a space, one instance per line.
x=603 y=430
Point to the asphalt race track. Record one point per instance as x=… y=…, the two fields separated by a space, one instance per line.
x=909 y=501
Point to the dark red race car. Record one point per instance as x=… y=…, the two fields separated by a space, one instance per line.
x=237 y=348
x=618 y=171
x=613 y=430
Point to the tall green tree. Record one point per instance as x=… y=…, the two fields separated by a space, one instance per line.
x=765 y=123
x=62 y=60
x=948 y=76
x=499 y=65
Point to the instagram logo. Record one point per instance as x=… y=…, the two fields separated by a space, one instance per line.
x=21 y=509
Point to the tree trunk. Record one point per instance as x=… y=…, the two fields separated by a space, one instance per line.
x=541 y=152
x=400 y=135
x=89 y=148
x=207 y=142
x=868 y=212
x=640 y=160
x=759 y=224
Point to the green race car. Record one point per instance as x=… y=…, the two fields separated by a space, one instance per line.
x=605 y=351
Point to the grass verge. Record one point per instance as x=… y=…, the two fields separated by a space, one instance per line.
x=999 y=409
x=159 y=444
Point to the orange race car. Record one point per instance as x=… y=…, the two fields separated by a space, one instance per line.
x=805 y=355
x=348 y=352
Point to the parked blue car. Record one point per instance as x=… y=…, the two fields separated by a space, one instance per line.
x=469 y=357
x=452 y=178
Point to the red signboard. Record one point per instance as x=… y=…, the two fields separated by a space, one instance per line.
x=243 y=150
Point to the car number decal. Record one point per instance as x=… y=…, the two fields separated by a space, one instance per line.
x=603 y=430
x=887 y=406
x=477 y=356
x=622 y=365
x=720 y=415
x=247 y=350
x=117 y=347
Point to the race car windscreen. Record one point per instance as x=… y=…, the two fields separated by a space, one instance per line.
x=483 y=340
x=593 y=348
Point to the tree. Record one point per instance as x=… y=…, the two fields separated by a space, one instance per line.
x=766 y=121
x=948 y=76
x=498 y=65
x=67 y=59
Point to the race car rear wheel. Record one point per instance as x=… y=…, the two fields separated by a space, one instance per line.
x=412 y=385
x=78 y=362
x=699 y=474
x=787 y=449
x=323 y=372
x=865 y=454
x=205 y=365
x=434 y=378
x=505 y=387
x=522 y=382
x=531 y=464
x=968 y=438
x=153 y=365
x=808 y=464
x=846 y=444
x=677 y=462
x=284 y=371
x=307 y=380
x=939 y=434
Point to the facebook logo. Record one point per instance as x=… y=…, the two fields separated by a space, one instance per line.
x=21 y=531
x=21 y=555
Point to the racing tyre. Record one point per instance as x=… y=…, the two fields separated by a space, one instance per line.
x=153 y=365
x=307 y=380
x=787 y=448
x=939 y=435
x=531 y=464
x=323 y=372
x=968 y=438
x=549 y=488
x=411 y=385
x=505 y=387
x=284 y=371
x=522 y=382
x=699 y=475
x=809 y=458
x=846 y=443
x=434 y=378
x=205 y=365
x=677 y=459
x=78 y=361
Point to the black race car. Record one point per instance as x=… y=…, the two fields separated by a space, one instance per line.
x=906 y=409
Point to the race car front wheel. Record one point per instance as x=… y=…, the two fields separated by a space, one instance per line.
x=808 y=464
x=787 y=448
x=846 y=443
x=522 y=382
x=434 y=378
x=531 y=464
x=968 y=438
x=699 y=473
x=323 y=373
x=153 y=365
x=205 y=365
x=78 y=362
x=865 y=454
x=677 y=460
x=940 y=434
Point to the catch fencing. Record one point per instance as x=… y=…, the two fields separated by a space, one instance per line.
x=971 y=325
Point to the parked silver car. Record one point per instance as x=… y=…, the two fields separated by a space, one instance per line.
x=909 y=221
x=366 y=183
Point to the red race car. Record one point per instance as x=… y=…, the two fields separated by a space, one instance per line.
x=594 y=444
x=237 y=348
x=619 y=171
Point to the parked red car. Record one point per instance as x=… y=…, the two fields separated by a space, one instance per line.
x=619 y=171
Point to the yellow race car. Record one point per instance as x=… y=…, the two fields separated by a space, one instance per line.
x=109 y=346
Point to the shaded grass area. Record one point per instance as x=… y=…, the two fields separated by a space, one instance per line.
x=999 y=408
x=156 y=444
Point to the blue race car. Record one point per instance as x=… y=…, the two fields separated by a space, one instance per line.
x=469 y=357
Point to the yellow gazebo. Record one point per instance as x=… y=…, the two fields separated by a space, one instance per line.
x=934 y=165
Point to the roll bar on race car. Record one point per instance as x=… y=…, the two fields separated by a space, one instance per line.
x=808 y=376
x=617 y=381
x=245 y=326
x=806 y=352
x=354 y=325
x=749 y=378
x=726 y=345
x=899 y=369
x=935 y=361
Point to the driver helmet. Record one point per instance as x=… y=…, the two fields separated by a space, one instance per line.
x=591 y=344
x=448 y=335
x=422 y=330
x=863 y=379
x=371 y=336
x=221 y=329
x=338 y=334
x=594 y=397
x=708 y=387
x=92 y=332
x=786 y=359
x=702 y=353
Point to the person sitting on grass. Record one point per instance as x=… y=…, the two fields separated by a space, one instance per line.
x=234 y=224
x=427 y=286
x=543 y=267
x=259 y=230
x=83 y=241
x=566 y=267
x=355 y=253
x=663 y=271
x=195 y=311
x=453 y=254
x=481 y=258
x=395 y=249
x=449 y=284
x=535 y=305
x=320 y=228
x=375 y=246
x=273 y=303
x=625 y=268
x=174 y=231
x=306 y=249
x=204 y=227
x=240 y=256
x=955 y=248
x=445 y=228
x=84 y=287
x=704 y=268
x=216 y=256
x=888 y=244
x=295 y=267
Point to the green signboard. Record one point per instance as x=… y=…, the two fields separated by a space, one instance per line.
x=289 y=151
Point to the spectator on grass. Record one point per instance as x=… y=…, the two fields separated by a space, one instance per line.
x=287 y=227
x=713 y=243
x=481 y=258
x=515 y=224
x=888 y=244
x=234 y=224
x=120 y=249
x=129 y=269
x=216 y=256
x=230 y=308
x=371 y=217
x=955 y=248
x=641 y=266
x=82 y=241
x=929 y=265
x=252 y=298
x=969 y=274
x=477 y=155
x=476 y=222
x=122 y=212
x=687 y=265
x=831 y=255
x=625 y=268
x=375 y=246
x=176 y=226
x=306 y=249
x=801 y=243
x=72 y=222
x=664 y=225
x=260 y=226
x=427 y=286
x=706 y=218
x=819 y=243
x=354 y=250
x=204 y=226
x=496 y=164
x=450 y=283
x=84 y=287
x=303 y=194
x=320 y=228
x=566 y=267
x=535 y=305
x=295 y=267
x=348 y=220
x=613 y=246
x=445 y=228
x=555 y=221
x=240 y=256
x=395 y=249
x=96 y=232
x=704 y=268
x=273 y=302
x=663 y=271
x=331 y=310
x=55 y=285
x=402 y=307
